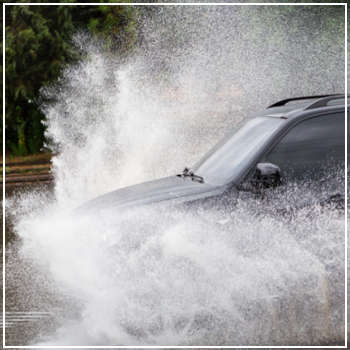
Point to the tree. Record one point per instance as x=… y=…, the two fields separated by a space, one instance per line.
x=38 y=46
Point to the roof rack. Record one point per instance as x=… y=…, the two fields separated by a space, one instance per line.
x=284 y=102
x=323 y=102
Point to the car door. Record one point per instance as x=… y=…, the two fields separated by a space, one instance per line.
x=311 y=149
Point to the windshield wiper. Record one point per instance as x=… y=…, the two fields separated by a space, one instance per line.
x=189 y=173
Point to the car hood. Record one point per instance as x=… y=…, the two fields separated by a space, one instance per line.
x=169 y=188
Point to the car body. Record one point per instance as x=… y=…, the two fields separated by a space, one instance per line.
x=295 y=139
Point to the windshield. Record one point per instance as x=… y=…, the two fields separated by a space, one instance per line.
x=230 y=156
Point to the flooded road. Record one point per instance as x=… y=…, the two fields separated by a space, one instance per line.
x=25 y=318
x=242 y=276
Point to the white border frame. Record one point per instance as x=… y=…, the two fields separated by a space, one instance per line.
x=4 y=189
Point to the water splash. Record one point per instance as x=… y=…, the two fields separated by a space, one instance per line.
x=198 y=72
x=205 y=276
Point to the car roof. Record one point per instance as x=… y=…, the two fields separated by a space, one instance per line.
x=296 y=107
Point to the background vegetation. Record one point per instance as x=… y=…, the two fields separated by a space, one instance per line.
x=38 y=46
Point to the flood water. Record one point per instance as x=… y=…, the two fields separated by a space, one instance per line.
x=24 y=319
x=242 y=275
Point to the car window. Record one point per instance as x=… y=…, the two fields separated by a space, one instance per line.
x=311 y=147
x=234 y=153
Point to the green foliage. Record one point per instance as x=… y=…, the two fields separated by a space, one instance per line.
x=38 y=46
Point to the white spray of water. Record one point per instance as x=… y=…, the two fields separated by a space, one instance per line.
x=234 y=276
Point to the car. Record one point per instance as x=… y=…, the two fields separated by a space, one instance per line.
x=294 y=140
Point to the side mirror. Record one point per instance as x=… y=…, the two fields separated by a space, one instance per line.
x=266 y=175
